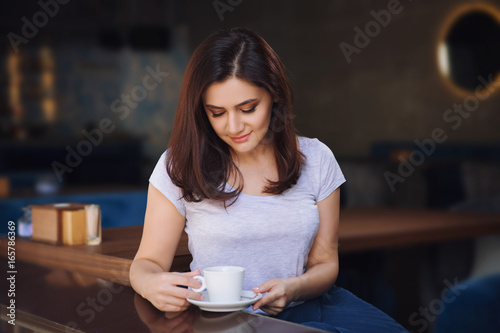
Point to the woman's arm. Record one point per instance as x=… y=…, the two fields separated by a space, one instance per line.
x=322 y=265
x=323 y=261
x=149 y=272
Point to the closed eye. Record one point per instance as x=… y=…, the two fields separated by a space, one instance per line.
x=249 y=111
x=215 y=115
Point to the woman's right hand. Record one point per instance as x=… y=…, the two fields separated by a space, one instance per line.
x=167 y=292
x=150 y=272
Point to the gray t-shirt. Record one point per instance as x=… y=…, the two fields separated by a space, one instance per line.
x=268 y=235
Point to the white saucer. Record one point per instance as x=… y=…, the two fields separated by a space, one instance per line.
x=248 y=297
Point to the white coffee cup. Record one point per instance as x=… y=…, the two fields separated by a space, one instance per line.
x=223 y=283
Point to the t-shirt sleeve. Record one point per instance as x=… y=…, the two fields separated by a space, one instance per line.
x=161 y=181
x=331 y=177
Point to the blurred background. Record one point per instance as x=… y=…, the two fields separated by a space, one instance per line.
x=405 y=93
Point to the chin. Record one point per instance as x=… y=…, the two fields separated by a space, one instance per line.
x=242 y=147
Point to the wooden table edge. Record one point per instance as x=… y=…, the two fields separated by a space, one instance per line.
x=114 y=265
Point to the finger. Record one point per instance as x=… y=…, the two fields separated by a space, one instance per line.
x=260 y=289
x=183 y=293
x=264 y=287
x=272 y=310
x=195 y=272
x=266 y=299
x=259 y=303
x=191 y=274
x=171 y=302
x=184 y=279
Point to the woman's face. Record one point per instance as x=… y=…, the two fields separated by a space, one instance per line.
x=239 y=113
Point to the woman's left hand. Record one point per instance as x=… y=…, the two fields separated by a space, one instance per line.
x=280 y=292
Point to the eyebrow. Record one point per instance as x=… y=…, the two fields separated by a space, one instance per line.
x=238 y=105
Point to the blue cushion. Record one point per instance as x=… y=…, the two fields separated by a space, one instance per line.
x=471 y=306
x=117 y=209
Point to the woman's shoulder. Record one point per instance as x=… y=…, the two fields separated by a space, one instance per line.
x=161 y=180
x=163 y=156
x=313 y=147
x=321 y=171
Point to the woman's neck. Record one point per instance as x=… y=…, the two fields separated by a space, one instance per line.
x=261 y=155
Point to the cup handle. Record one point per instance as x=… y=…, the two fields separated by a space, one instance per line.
x=202 y=281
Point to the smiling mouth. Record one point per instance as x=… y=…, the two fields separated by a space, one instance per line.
x=242 y=138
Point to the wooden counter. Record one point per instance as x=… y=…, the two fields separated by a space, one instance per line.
x=365 y=229
x=360 y=229
x=110 y=260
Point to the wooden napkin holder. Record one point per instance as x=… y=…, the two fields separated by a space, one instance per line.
x=60 y=223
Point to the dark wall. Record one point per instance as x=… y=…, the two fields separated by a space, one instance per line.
x=391 y=91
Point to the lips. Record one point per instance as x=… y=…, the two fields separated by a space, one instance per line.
x=242 y=138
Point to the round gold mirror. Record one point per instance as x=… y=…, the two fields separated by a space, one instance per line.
x=469 y=48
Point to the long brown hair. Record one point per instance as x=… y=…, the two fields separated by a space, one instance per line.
x=199 y=162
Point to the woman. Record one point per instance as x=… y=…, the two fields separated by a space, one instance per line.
x=247 y=190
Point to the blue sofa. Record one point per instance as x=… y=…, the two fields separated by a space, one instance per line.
x=471 y=306
x=118 y=209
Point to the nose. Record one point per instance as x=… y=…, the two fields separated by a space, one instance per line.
x=235 y=125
